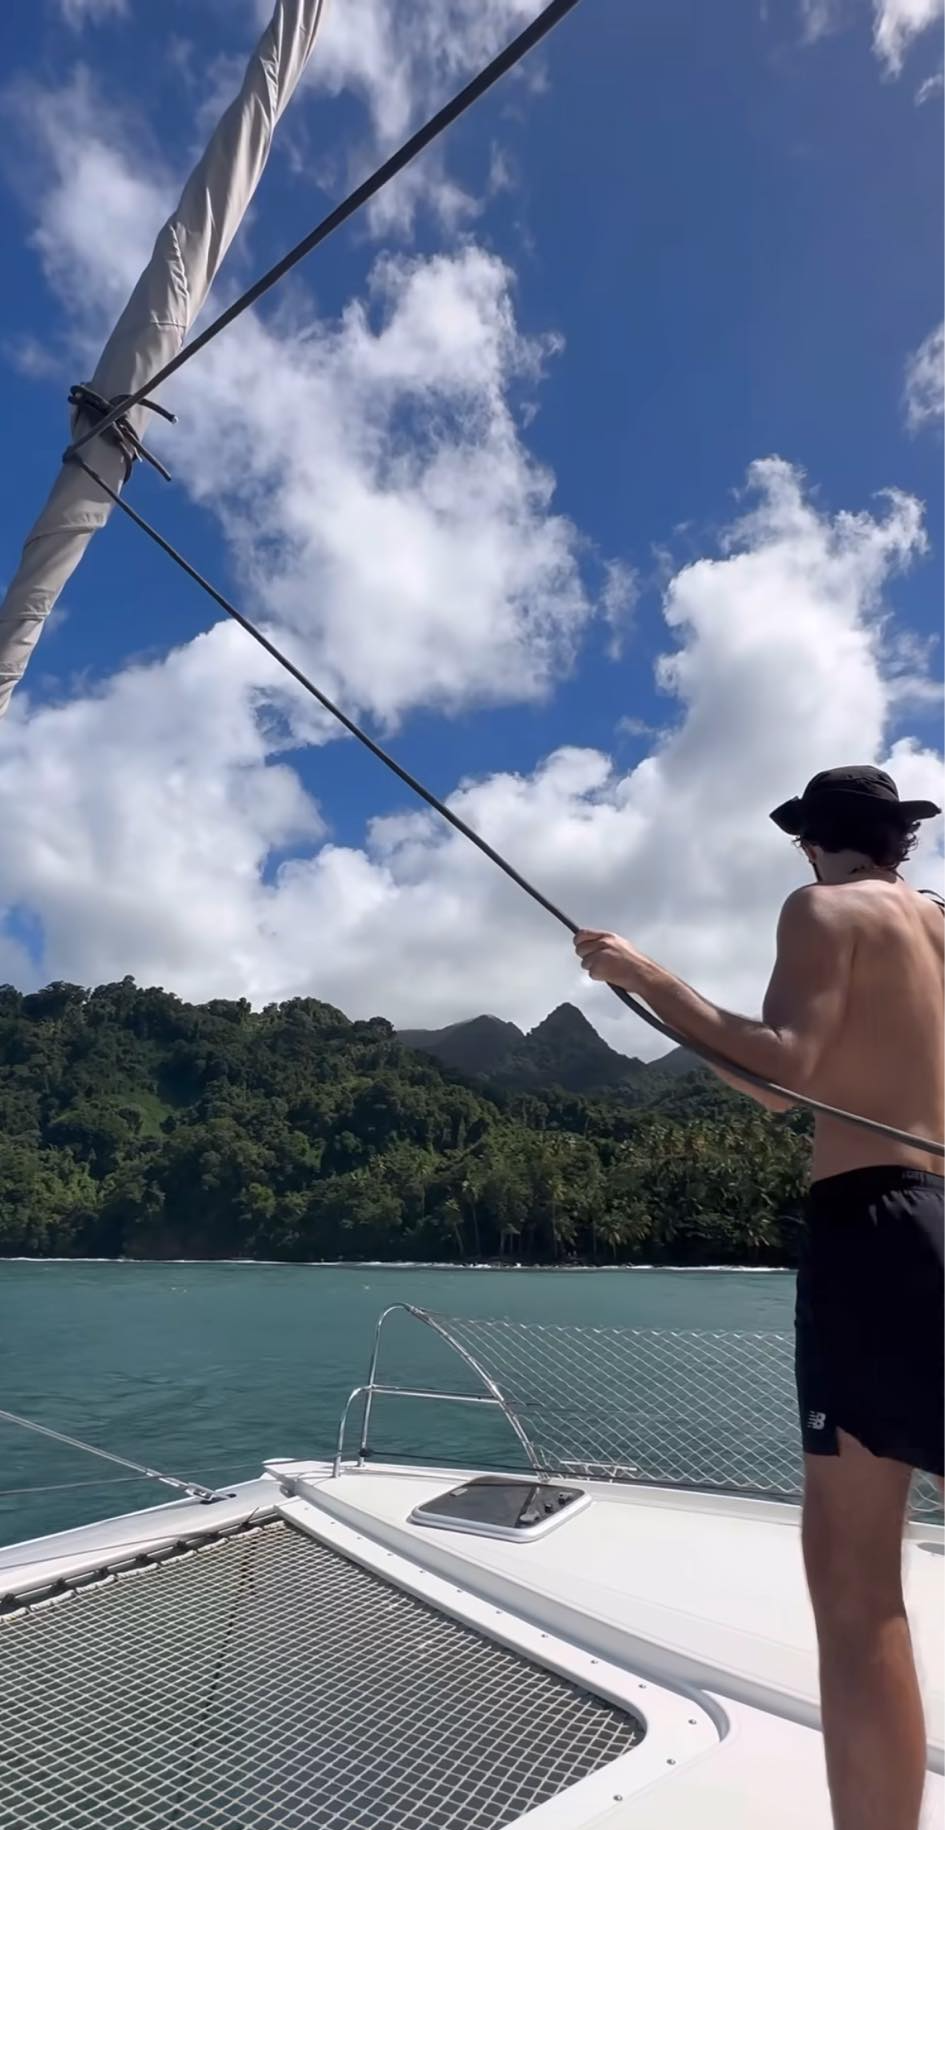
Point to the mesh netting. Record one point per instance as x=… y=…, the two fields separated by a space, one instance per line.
x=708 y=1409
x=261 y=1681
x=716 y=1409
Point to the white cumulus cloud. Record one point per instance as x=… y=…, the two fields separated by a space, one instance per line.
x=378 y=495
x=370 y=471
x=155 y=827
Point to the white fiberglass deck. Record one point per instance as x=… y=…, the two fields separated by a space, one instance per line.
x=690 y=1591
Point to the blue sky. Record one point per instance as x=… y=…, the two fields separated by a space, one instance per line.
x=732 y=225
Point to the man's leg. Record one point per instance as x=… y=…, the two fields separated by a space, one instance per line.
x=874 y=1735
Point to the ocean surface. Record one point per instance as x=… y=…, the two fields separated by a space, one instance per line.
x=205 y=1370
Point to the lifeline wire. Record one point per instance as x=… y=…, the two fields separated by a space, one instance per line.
x=724 y=1066
x=201 y=1493
x=437 y=125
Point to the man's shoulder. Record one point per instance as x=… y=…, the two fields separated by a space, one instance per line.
x=816 y=904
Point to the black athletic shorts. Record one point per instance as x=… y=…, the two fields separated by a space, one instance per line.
x=871 y=1315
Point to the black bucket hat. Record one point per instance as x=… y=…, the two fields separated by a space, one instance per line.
x=839 y=791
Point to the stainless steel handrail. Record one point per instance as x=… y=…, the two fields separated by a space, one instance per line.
x=402 y=1394
x=493 y=1398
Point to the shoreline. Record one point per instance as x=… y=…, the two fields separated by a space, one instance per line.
x=377 y=1265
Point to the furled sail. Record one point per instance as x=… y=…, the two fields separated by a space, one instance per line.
x=163 y=306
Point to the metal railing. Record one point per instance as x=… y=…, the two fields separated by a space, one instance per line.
x=369 y=1391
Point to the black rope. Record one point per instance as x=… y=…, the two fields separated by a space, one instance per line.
x=724 y=1066
x=437 y=125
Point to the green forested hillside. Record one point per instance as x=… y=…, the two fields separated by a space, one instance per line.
x=134 y=1124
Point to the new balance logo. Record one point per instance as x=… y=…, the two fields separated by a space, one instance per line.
x=815 y=1418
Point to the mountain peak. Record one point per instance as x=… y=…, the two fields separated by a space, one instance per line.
x=563 y=1051
x=567 y=1021
x=476 y=1046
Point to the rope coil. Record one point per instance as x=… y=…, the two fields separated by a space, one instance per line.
x=118 y=428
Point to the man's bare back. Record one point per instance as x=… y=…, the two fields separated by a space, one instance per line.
x=885 y=1059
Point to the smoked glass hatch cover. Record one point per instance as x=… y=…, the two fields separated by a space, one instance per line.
x=494 y=1506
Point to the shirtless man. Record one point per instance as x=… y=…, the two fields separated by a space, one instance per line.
x=853 y=1016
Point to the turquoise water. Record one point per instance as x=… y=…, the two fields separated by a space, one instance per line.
x=205 y=1370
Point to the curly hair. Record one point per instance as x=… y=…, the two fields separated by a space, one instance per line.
x=882 y=840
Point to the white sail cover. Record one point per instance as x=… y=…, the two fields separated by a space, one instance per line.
x=163 y=306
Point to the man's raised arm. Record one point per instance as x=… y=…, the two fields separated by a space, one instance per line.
x=802 y=1009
